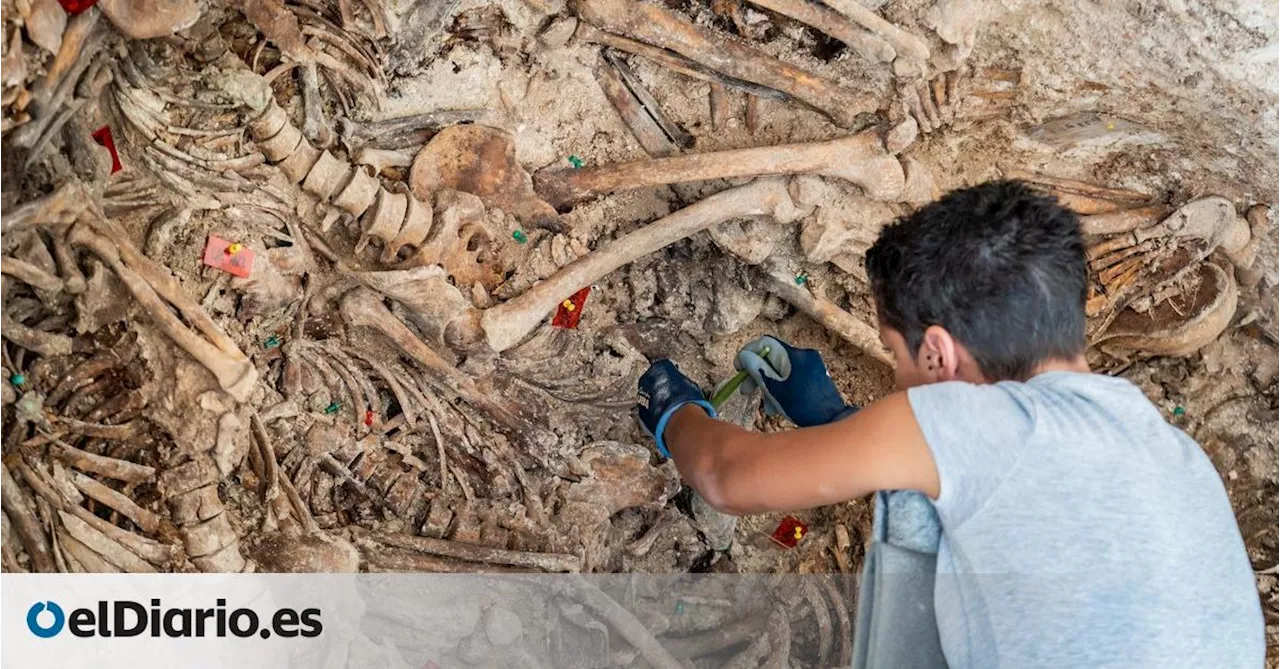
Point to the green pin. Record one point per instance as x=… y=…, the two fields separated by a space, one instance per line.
x=1178 y=411
x=18 y=379
x=332 y=408
x=519 y=236
x=802 y=278
x=576 y=162
x=271 y=342
x=679 y=606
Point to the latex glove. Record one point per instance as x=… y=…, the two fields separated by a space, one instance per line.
x=663 y=390
x=794 y=381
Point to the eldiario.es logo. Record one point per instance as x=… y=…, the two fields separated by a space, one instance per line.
x=125 y=618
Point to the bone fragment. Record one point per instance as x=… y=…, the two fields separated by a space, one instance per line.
x=73 y=280
x=672 y=61
x=1080 y=187
x=148 y=521
x=30 y=274
x=826 y=313
x=860 y=159
x=364 y=308
x=144 y=19
x=507 y=324
x=47 y=344
x=61 y=207
x=670 y=128
x=234 y=372
x=718 y=100
x=410 y=131
x=907 y=45
x=26 y=524
x=150 y=550
x=84 y=559
x=120 y=470
x=108 y=548
x=831 y=22
x=440 y=310
x=315 y=127
x=638 y=119
x=1125 y=220
x=661 y=27
x=552 y=562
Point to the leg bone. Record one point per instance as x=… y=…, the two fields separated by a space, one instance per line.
x=505 y=325
x=860 y=159
x=661 y=27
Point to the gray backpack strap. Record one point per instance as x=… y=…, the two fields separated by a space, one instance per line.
x=895 y=625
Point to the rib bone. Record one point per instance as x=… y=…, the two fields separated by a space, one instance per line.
x=364 y=308
x=860 y=159
x=658 y=26
x=507 y=324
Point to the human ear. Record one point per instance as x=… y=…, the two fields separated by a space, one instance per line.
x=939 y=356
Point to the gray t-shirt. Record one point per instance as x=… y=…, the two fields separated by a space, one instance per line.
x=1081 y=530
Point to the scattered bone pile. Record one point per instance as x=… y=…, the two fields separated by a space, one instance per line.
x=384 y=391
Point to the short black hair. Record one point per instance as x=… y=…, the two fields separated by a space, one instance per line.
x=999 y=265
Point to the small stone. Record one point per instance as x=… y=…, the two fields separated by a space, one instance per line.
x=902 y=136
x=437 y=522
x=502 y=627
x=558 y=33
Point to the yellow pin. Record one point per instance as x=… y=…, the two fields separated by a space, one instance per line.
x=568 y=305
x=799 y=533
x=233 y=249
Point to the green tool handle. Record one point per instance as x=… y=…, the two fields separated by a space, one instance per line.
x=731 y=386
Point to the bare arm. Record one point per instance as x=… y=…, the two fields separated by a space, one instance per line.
x=738 y=471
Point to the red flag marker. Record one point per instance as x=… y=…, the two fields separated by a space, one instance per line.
x=228 y=256
x=103 y=136
x=74 y=7
x=790 y=531
x=570 y=310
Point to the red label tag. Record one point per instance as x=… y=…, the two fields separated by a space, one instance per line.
x=228 y=257
x=74 y=7
x=570 y=310
x=103 y=136
x=368 y=418
x=790 y=531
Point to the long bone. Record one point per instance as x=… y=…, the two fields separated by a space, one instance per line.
x=907 y=45
x=672 y=61
x=860 y=159
x=658 y=26
x=829 y=21
x=828 y=314
x=234 y=372
x=364 y=308
x=508 y=323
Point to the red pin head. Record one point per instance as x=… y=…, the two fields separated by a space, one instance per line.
x=790 y=531
x=570 y=310
x=103 y=136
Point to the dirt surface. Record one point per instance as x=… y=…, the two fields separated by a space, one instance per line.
x=1175 y=101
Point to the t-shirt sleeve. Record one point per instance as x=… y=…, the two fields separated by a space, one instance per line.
x=975 y=433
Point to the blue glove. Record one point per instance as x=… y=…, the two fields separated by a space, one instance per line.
x=663 y=390
x=795 y=382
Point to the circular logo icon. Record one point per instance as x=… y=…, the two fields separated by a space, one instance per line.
x=45 y=631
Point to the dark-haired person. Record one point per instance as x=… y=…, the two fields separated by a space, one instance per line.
x=1078 y=528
